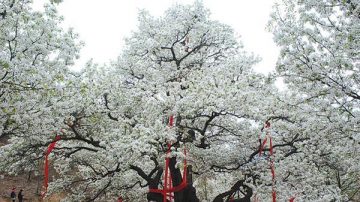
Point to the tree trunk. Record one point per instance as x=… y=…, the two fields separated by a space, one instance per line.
x=188 y=194
x=247 y=195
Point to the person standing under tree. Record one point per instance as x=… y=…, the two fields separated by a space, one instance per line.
x=21 y=196
x=13 y=195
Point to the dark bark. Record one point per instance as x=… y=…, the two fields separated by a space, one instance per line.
x=153 y=182
x=188 y=194
x=236 y=188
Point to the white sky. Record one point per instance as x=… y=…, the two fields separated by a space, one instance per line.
x=103 y=24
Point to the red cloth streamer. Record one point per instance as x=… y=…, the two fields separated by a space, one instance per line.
x=171 y=121
x=274 y=195
x=272 y=173
x=272 y=170
x=168 y=187
x=262 y=146
x=46 y=167
x=272 y=167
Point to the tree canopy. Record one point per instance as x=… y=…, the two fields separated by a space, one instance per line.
x=112 y=120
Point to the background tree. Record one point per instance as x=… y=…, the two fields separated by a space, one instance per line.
x=34 y=58
x=319 y=60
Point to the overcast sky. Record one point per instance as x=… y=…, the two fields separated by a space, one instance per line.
x=103 y=24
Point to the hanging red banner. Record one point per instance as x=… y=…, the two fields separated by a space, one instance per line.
x=168 y=188
x=46 y=164
x=272 y=164
x=272 y=167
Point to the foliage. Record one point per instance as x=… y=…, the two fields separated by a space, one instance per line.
x=319 y=62
x=34 y=58
x=113 y=118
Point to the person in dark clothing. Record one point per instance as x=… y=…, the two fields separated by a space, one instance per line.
x=21 y=196
x=13 y=195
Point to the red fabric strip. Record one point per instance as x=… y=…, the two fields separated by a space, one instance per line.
x=262 y=146
x=272 y=170
x=168 y=188
x=171 y=121
x=167 y=160
x=272 y=167
x=274 y=196
x=46 y=166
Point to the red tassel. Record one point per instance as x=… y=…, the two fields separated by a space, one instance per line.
x=292 y=199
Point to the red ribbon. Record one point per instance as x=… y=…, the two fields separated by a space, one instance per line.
x=262 y=146
x=171 y=121
x=168 y=188
x=274 y=195
x=46 y=167
x=272 y=167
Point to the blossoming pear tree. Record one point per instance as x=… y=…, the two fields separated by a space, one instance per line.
x=112 y=121
x=319 y=62
x=195 y=70
x=35 y=54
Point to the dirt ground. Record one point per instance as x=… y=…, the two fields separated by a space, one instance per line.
x=31 y=187
x=30 y=184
